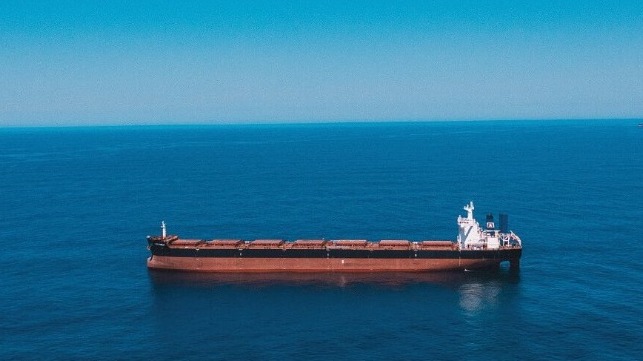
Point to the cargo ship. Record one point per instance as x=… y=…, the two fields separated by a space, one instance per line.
x=475 y=248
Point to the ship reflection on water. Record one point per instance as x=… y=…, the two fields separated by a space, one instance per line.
x=470 y=284
x=233 y=303
x=476 y=296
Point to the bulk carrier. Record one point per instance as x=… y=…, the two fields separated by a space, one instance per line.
x=474 y=248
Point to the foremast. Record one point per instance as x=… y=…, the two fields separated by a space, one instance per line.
x=164 y=239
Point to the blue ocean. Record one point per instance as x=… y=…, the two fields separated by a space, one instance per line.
x=77 y=204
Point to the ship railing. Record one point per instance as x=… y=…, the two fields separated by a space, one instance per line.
x=347 y=244
x=307 y=244
x=266 y=243
x=436 y=245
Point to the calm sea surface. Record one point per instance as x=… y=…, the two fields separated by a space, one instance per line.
x=77 y=204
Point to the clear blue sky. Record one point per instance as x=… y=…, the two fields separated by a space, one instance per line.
x=157 y=62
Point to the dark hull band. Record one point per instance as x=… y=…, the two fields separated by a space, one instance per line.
x=334 y=253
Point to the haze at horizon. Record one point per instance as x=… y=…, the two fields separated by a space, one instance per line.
x=94 y=63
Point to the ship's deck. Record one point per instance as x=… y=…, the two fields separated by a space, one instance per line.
x=174 y=242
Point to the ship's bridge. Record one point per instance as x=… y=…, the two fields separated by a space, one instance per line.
x=472 y=236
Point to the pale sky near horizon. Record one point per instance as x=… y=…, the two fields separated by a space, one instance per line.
x=164 y=62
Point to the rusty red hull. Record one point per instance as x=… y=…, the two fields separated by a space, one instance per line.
x=316 y=265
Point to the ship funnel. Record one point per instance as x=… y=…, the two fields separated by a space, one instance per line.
x=490 y=223
x=504 y=223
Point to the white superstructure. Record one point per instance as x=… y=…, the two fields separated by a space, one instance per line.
x=471 y=236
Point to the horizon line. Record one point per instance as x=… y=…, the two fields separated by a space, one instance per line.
x=311 y=122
